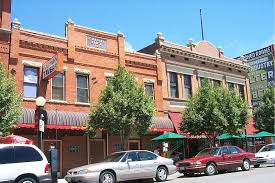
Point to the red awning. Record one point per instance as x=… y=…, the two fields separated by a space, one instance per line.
x=176 y=119
x=15 y=139
x=250 y=127
x=161 y=124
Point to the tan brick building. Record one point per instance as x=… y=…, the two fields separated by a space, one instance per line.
x=187 y=67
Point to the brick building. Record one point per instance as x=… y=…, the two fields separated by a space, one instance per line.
x=186 y=68
x=90 y=58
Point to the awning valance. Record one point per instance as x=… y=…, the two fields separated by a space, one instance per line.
x=56 y=119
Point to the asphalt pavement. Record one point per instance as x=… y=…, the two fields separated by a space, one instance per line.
x=255 y=175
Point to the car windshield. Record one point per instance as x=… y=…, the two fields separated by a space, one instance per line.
x=209 y=152
x=114 y=157
x=268 y=148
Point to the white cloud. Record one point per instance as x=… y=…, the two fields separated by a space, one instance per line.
x=129 y=47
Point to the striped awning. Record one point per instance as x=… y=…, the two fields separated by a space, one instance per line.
x=161 y=124
x=56 y=119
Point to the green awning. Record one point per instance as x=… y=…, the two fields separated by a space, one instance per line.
x=169 y=136
x=227 y=136
x=264 y=134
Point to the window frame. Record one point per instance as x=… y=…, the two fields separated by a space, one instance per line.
x=88 y=87
x=241 y=88
x=175 y=85
x=153 y=89
x=218 y=82
x=228 y=88
x=64 y=87
x=36 y=84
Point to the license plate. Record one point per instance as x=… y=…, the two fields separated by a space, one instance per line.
x=181 y=168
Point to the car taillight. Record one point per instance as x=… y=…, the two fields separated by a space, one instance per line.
x=47 y=168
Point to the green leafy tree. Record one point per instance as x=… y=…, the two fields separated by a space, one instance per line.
x=265 y=113
x=10 y=102
x=214 y=111
x=123 y=107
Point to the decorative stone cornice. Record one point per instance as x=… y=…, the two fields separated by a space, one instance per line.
x=41 y=47
x=140 y=65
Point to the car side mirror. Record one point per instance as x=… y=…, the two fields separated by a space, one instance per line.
x=129 y=160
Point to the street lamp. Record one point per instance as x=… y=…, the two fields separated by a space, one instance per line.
x=41 y=118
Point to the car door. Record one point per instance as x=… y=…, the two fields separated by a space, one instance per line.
x=236 y=157
x=131 y=167
x=148 y=164
x=226 y=158
x=8 y=168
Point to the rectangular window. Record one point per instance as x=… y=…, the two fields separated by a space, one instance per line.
x=173 y=85
x=216 y=83
x=58 y=83
x=82 y=88
x=241 y=91
x=30 y=82
x=149 y=89
x=187 y=86
x=230 y=86
x=203 y=81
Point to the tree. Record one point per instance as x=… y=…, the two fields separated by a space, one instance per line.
x=10 y=102
x=214 y=111
x=123 y=107
x=264 y=114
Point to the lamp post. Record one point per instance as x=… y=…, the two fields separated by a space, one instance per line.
x=41 y=118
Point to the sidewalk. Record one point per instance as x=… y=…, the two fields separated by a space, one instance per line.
x=62 y=181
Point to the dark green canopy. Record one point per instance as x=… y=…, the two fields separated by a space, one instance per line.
x=227 y=136
x=264 y=134
x=169 y=136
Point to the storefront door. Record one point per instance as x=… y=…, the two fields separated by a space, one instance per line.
x=133 y=144
x=97 y=150
x=58 y=146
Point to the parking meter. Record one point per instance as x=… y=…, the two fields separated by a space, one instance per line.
x=53 y=159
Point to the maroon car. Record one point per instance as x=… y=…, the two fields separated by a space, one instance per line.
x=211 y=160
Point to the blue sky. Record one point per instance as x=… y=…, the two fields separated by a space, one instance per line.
x=238 y=26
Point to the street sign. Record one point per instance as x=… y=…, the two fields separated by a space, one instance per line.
x=41 y=125
x=53 y=66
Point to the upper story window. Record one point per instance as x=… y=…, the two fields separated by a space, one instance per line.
x=203 y=81
x=216 y=83
x=173 y=85
x=230 y=86
x=82 y=88
x=58 y=83
x=149 y=89
x=241 y=91
x=187 y=86
x=30 y=82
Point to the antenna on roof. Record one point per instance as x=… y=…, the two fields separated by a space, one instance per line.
x=202 y=37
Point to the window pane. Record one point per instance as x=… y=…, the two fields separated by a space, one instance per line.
x=82 y=95
x=57 y=93
x=173 y=92
x=6 y=155
x=187 y=86
x=230 y=86
x=173 y=77
x=149 y=89
x=58 y=80
x=26 y=154
x=173 y=85
x=82 y=81
x=203 y=81
x=132 y=156
x=216 y=83
x=241 y=91
x=30 y=90
x=144 y=156
x=30 y=75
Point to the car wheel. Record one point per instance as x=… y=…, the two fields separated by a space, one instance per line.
x=27 y=180
x=246 y=165
x=107 y=177
x=161 y=174
x=256 y=166
x=210 y=169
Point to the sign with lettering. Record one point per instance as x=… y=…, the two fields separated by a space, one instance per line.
x=261 y=73
x=53 y=66
x=95 y=42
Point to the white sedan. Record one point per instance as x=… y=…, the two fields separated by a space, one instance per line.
x=122 y=166
x=266 y=155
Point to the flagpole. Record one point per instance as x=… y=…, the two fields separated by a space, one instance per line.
x=202 y=36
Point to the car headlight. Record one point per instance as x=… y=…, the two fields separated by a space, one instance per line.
x=85 y=171
x=196 y=163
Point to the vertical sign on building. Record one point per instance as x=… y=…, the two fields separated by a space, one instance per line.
x=261 y=72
